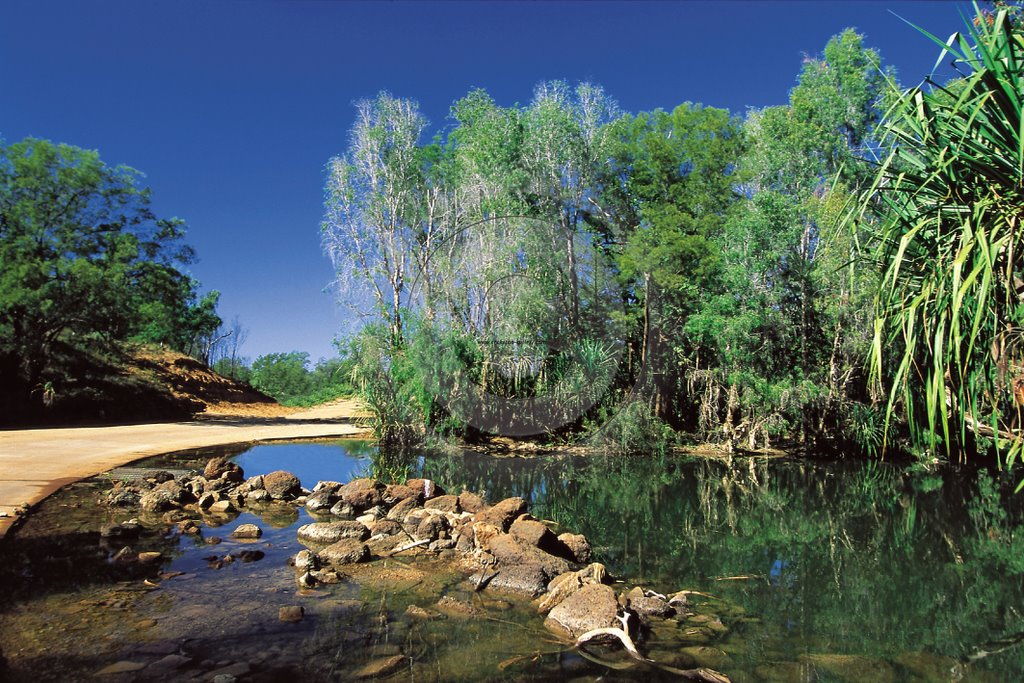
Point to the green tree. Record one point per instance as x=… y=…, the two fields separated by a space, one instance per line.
x=282 y=375
x=84 y=257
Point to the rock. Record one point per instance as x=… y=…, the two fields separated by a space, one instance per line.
x=189 y=527
x=222 y=468
x=378 y=668
x=231 y=671
x=158 y=476
x=710 y=657
x=122 y=667
x=508 y=551
x=524 y=579
x=207 y=499
x=428 y=487
x=454 y=607
x=124 y=556
x=247 y=531
x=326 y=576
x=123 y=497
x=395 y=493
x=931 y=666
x=401 y=509
x=290 y=614
x=257 y=496
x=528 y=530
x=222 y=507
x=331 y=532
x=168 y=663
x=250 y=555
x=851 y=668
x=345 y=551
x=158 y=500
x=255 y=483
x=120 y=531
x=578 y=547
x=322 y=500
x=150 y=557
x=418 y=613
x=305 y=560
x=483 y=533
x=444 y=504
x=432 y=527
x=503 y=514
x=224 y=678
x=647 y=606
x=362 y=493
x=441 y=544
x=385 y=527
x=592 y=606
x=282 y=485
x=470 y=502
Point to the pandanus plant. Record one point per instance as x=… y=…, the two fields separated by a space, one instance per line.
x=948 y=202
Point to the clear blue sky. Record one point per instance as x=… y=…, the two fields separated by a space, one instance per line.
x=232 y=109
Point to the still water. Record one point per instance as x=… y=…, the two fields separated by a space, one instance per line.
x=822 y=572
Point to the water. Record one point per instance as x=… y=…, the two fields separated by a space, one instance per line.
x=821 y=571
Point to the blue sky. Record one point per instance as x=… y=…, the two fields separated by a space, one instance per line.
x=232 y=109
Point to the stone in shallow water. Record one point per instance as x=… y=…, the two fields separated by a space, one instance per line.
x=852 y=668
x=711 y=657
x=122 y=667
x=592 y=606
x=331 y=532
x=247 y=531
x=380 y=667
x=290 y=614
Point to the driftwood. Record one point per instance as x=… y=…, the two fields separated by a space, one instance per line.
x=701 y=674
x=407 y=546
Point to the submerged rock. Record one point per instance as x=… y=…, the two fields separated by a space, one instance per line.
x=379 y=668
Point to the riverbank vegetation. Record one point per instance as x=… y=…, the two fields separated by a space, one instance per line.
x=88 y=271
x=563 y=269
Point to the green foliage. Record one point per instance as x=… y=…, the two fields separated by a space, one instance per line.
x=282 y=375
x=85 y=257
x=947 y=342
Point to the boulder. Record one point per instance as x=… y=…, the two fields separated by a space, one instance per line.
x=470 y=502
x=443 y=504
x=504 y=513
x=254 y=483
x=345 y=551
x=322 y=500
x=385 y=527
x=305 y=560
x=400 y=509
x=222 y=468
x=343 y=509
x=290 y=614
x=432 y=527
x=158 y=500
x=362 y=493
x=648 y=606
x=427 y=487
x=282 y=485
x=331 y=532
x=592 y=606
x=528 y=530
x=394 y=493
x=508 y=551
x=257 y=496
x=578 y=547
x=525 y=579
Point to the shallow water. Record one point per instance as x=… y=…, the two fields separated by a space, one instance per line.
x=825 y=572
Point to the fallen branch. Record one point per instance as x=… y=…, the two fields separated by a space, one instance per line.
x=408 y=546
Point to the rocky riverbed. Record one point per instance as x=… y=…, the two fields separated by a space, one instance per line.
x=498 y=549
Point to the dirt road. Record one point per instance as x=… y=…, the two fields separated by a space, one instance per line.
x=36 y=462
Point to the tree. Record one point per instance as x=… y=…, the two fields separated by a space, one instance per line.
x=83 y=257
x=282 y=375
